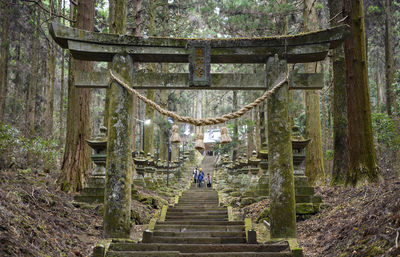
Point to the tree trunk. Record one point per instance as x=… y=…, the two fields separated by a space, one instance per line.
x=76 y=155
x=164 y=128
x=314 y=157
x=61 y=5
x=149 y=112
x=362 y=165
x=111 y=20
x=50 y=92
x=33 y=81
x=4 y=55
x=250 y=129
x=389 y=58
x=17 y=81
x=340 y=132
x=235 y=128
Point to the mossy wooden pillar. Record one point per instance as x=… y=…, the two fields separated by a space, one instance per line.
x=117 y=195
x=280 y=160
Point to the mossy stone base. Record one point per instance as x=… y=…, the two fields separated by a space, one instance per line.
x=307 y=208
x=247 y=201
x=139 y=182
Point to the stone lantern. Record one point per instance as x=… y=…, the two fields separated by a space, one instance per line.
x=254 y=170
x=262 y=188
x=140 y=166
x=94 y=191
x=149 y=172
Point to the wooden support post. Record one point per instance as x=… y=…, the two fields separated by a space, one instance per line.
x=280 y=158
x=117 y=195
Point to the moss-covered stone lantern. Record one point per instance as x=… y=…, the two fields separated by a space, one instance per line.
x=262 y=188
x=94 y=190
x=140 y=166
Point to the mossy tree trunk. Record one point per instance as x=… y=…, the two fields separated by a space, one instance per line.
x=76 y=161
x=280 y=158
x=340 y=129
x=314 y=157
x=4 y=56
x=362 y=166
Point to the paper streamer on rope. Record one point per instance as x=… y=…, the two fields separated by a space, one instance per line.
x=225 y=138
x=175 y=137
x=199 y=145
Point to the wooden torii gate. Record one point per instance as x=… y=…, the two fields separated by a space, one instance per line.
x=275 y=52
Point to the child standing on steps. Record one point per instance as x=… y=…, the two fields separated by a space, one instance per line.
x=208 y=180
x=195 y=175
x=200 y=177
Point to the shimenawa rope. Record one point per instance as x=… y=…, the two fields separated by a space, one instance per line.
x=201 y=122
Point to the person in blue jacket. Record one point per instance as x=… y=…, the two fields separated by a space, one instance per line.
x=200 y=177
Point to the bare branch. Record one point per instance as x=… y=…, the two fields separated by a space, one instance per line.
x=54 y=14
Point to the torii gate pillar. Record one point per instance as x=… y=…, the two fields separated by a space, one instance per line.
x=117 y=194
x=280 y=160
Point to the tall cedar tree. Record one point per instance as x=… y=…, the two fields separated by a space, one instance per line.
x=389 y=58
x=33 y=80
x=362 y=165
x=314 y=157
x=340 y=145
x=149 y=112
x=4 y=54
x=76 y=156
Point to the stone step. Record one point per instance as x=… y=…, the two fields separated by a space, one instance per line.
x=194 y=228
x=199 y=240
x=181 y=212
x=198 y=218
x=96 y=182
x=177 y=254
x=194 y=222
x=201 y=248
x=300 y=181
x=300 y=191
x=193 y=205
x=232 y=254
x=93 y=191
x=143 y=254
x=199 y=202
x=198 y=198
x=195 y=216
x=308 y=199
x=200 y=234
x=89 y=198
x=196 y=209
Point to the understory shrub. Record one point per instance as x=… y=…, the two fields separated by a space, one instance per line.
x=15 y=150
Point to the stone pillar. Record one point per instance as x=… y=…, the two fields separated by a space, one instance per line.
x=280 y=160
x=117 y=195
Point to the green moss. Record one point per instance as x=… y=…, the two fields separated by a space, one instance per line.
x=236 y=194
x=264 y=215
x=247 y=201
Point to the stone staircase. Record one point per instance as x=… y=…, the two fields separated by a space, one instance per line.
x=197 y=226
